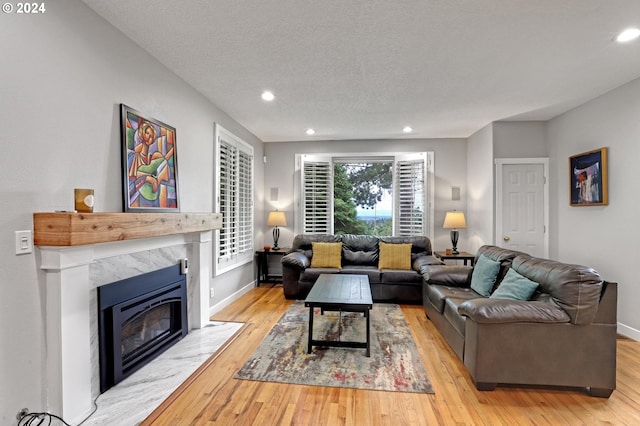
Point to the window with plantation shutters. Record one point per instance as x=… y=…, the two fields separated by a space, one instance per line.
x=234 y=200
x=317 y=195
x=410 y=175
x=412 y=191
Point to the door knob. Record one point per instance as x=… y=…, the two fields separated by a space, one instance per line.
x=506 y=238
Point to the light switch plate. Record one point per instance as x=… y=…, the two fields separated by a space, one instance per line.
x=24 y=242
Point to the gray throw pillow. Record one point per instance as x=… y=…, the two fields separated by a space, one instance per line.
x=484 y=275
x=515 y=287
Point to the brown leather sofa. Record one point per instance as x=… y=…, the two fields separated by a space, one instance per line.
x=359 y=256
x=564 y=335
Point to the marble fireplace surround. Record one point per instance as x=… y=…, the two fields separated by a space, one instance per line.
x=73 y=271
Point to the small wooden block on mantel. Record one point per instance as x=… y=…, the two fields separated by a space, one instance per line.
x=75 y=229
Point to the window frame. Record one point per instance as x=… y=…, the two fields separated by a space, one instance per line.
x=429 y=187
x=238 y=217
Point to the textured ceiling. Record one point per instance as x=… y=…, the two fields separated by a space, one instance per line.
x=363 y=69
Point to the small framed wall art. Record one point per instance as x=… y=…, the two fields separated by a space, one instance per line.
x=149 y=163
x=588 y=178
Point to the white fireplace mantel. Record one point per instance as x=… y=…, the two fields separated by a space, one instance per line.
x=66 y=269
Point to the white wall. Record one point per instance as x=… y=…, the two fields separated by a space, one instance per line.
x=450 y=170
x=64 y=74
x=520 y=139
x=480 y=217
x=604 y=237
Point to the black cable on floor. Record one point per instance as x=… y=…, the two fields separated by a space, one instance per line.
x=46 y=419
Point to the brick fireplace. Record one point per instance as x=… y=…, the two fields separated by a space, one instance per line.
x=72 y=272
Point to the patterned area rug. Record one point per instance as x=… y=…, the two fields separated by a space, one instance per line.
x=394 y=365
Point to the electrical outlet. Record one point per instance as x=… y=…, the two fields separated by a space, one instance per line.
x=24 y=242
x=211 y=293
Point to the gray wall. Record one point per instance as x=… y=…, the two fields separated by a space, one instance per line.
x=450 y=170
x=603 y=237
x=480 y=218
x=64 y=74
x=520 y=139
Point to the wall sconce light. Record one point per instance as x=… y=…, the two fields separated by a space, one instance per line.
x=276 y=218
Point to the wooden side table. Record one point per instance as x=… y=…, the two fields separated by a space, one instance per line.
x=463 y=255
x=263 y=265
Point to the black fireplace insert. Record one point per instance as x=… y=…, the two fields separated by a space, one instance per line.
x=138 y=319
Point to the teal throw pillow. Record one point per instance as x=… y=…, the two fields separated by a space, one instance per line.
x=515 y=287
x=484 y=275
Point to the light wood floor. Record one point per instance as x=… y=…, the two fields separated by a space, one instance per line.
x=215 y=398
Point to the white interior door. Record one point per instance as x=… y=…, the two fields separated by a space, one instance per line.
x=522 y=205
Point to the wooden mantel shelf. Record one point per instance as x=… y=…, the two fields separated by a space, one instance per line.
x=75 y=229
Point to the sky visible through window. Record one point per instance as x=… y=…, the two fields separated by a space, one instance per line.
x=382 y=209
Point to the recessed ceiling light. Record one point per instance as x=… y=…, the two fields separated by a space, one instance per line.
x=628 y=35
x=268 y=96
x=407 y=129
x=310 y=132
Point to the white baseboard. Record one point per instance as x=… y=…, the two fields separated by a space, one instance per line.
x=230 y=299
x=629 y=332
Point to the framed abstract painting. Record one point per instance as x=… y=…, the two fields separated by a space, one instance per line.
x=149 y=163
x=588 y=178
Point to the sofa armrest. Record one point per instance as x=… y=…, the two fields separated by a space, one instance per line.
x=423 y=262
x=296 y=260
x=449 y=275
x=500 y=311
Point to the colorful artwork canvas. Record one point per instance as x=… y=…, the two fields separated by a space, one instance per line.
x=588 y=178
x=149 y=163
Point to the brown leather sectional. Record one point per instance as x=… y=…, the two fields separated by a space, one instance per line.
x=565 y=335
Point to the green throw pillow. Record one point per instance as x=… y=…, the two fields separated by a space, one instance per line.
x=484 y=275
x=515 y=287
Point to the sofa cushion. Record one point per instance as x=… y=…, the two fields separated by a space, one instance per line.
x=574 y=288
x=360 y=250
x=395 y=256
x=437 y=294
x=484 y=275
x=391 y=276
x=370 y=271
x=310 y=275
x=452 y=315
x=326 y=255
x=515 y=287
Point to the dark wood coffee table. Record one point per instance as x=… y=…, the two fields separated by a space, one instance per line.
x=337 y=292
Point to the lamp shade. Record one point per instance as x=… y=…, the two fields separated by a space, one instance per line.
x=454 y=220
x=276 y=218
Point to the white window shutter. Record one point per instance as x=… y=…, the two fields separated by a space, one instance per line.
x=228 y=189
x=410 y=191
x=234 y=200
x=317 y=195
x=245 y=203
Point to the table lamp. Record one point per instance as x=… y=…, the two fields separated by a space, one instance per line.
x=454 y=220
x=276 y=218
